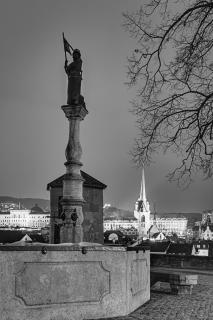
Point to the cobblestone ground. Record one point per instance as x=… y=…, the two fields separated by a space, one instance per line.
x=164 y=306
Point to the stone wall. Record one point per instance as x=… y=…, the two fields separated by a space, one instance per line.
x=92 y=210
x=181 y=261
x=71 y=283
x=93 y=215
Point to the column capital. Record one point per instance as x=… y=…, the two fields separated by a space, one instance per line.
x=75 y=111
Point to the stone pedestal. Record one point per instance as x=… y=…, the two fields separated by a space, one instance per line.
x=72 y=201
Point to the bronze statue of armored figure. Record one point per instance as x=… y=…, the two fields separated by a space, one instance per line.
x=74 y=73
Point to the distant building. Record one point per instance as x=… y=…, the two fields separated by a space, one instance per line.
x=166 y=224
x=34 y=218
x=207 y=232
x=169 y=225
x=207 y=216
x=163 y=224
x=158 y=236
x=204 y=229
x=117 y=237
x=6 y=206
x=153 y=229
x=113 y=237
x=142 y=210
x=155 y=234
x=115 y=224
x=130 y=231
x=200 y=248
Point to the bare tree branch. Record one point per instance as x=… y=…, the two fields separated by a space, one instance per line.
x=172 y=69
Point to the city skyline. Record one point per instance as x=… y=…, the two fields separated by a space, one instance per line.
x=33 y=129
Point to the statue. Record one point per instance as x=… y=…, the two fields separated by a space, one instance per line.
x=74 y=73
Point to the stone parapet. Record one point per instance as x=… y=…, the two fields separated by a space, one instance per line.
x=182 y=261
x=72 y=282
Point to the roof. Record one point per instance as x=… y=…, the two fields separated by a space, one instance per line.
x=204 y=227
x=196 y=228
x=10 y=236
x=153 y=230
x=159 y=246
x=180 y=248
x=89 y=182
x=155 y=235
x=36 y=209
x=36 y=237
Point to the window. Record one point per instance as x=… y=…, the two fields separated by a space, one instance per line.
x=143 y=219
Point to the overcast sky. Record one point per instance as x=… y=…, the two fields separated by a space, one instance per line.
x=33 y=128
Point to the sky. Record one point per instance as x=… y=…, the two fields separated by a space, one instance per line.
x=33 y=84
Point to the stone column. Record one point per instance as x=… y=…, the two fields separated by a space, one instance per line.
x=72 y=201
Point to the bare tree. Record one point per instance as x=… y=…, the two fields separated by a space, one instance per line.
x=172 y=69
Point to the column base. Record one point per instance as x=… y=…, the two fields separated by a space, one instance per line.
x=71 y=234
x=71 y=229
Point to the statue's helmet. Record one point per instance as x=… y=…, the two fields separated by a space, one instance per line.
x=77 y=52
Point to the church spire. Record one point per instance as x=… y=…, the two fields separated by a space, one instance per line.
x=142 y=211
x=143 y=188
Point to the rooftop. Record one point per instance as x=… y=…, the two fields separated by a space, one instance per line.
x=10 y=236
x=89 y=182
x=180 y=248
x=36 y=209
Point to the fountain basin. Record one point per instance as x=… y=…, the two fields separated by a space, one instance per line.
x=72 y=281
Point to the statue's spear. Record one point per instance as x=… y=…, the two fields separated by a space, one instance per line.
x=67 y=47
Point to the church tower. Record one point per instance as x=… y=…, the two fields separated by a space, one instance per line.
x=142 y=210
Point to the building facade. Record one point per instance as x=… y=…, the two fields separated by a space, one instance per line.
x=34 y=218
x=168 y=225
x=116 y=224
x=164 y=225
x=203 y=230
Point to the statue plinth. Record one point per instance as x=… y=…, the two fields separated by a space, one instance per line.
x=75 y=111
x=72 y=201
